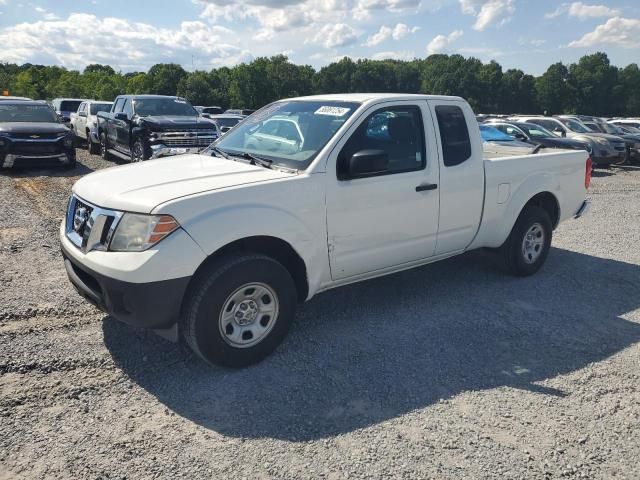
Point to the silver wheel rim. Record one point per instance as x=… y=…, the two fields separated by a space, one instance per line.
x=248 y=315
x=103 y=146
x=137 y=152
x=533 y=243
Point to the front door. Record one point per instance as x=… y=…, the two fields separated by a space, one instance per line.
x=389 y=218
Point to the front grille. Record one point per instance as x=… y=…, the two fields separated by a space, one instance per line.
x=187 y=138
x=36 y=149
x=90 y=227
x=619 y=146
x=34 y=136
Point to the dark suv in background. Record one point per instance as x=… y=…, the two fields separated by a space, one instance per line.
x=64 y=107
x=31 y=134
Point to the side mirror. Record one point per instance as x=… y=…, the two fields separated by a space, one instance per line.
x=121 y=116
x=560 y=132
x=520 y=136
x=82 y=114
x=366 y=163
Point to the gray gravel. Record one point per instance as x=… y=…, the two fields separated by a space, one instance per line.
x=448 y=371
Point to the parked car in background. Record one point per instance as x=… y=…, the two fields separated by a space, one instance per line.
x=631 y=140
x=240 y=111
x=220 y=247
x=226 y=121
x=208 y=111
x=626 y=128
x=626 y=122
x=141 y=127
x=538 y=135
x=605 y=151
x=64 y=107
x=84 y=123
x=31 y=134
x=12 y=98
x=497 y=144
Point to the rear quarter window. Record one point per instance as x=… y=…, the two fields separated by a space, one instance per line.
x=454 y=135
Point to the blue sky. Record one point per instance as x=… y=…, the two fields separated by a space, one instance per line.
x=134 y=34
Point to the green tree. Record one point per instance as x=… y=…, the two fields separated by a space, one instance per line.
x=163 y=78
x=553 y=91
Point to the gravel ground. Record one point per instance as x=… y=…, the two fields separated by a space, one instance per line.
x=453 y=370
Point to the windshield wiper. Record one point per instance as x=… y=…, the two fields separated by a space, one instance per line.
x=221 y=153
x=263 y=162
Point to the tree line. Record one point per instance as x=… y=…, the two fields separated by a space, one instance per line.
x=590 y=86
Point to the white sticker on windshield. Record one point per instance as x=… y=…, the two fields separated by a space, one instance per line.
x=332 y=111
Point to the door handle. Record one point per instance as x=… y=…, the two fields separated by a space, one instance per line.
x=426 y=186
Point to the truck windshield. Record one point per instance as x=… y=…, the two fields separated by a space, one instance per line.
x=163 y=106
x=16 y=112
x=99 y=107
x=289 y=133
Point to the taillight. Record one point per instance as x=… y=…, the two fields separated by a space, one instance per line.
x=587 y=173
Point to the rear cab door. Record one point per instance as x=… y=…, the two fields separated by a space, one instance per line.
x=388 y=219
x=461 y=174
x=112 y=123
x=81 y=120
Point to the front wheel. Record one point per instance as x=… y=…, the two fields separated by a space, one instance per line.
x=528 y=245
x=238 y=310
x=92 y=148
x=104 y=148
x=138 y=153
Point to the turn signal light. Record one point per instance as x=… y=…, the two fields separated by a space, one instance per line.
x=587 y=173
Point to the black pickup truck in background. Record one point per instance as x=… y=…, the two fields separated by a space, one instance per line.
x=141 y=127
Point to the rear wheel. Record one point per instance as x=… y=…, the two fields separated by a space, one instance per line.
x=239 y=310
x=528 y=245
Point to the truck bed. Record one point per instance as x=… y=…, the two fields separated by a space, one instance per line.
x=510 y=181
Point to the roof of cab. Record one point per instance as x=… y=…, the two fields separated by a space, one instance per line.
x=369 y=97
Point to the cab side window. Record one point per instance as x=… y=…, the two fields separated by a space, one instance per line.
x=396 y=131
x=118 y=105
x=454 y=135
x=128 y=109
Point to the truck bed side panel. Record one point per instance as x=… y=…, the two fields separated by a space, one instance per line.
x=512 y=181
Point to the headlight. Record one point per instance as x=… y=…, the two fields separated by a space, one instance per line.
x=601 y=141
x=138 y=232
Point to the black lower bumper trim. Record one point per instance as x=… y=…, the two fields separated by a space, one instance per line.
x=153 y=305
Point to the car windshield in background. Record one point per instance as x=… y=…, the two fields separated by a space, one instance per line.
x=289 y=133
x=490 y=134
x=27 y=113
x=70 y=105
x=99 y=107
x=608 y=128
x=537 y=131
x=575 y=126
x=227 y=122
x=163 y=106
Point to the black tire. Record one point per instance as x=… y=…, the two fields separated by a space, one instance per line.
x=92 y=148
x=518 y=261
x=104 y=147
x=138 y=152
x=215 y=287
x=71 y=165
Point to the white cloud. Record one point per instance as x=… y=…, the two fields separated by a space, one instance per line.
x=583 y=11
x=79 y=40
x=338 y=35
x=398 y=32
x=442 y=42
x=488 y=12
x=364 y=9
x=394 y=55
x=617 y=31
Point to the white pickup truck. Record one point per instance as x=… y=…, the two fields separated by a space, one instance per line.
x=221 y=246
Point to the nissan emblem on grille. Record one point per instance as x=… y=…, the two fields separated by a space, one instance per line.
x=79 y=219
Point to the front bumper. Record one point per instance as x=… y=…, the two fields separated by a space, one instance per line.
x=154 y=305
x=160 y=150
x=603 y=156
x=11 y=160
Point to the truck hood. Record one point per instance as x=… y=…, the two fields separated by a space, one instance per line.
x=140 y=187
x=165 y=122
x=33 y=127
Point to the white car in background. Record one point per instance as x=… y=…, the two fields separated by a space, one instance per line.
x=277 y=135
x=84 y=123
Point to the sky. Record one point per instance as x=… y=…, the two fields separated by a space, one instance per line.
x=132 y=35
